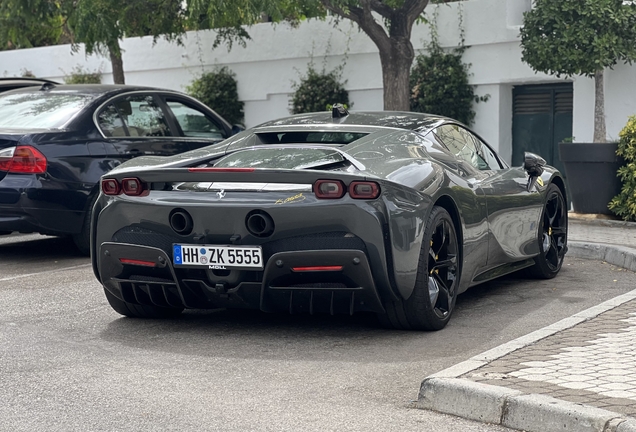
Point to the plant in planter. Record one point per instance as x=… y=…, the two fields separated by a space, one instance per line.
x=583 y=37
x=624 y=204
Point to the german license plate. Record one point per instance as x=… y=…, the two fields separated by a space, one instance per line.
x=216 y=257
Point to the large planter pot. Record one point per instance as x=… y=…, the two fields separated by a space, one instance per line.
x=590 y=170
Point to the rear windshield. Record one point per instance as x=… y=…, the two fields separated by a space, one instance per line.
x=309 y=137
x=283 y=158
x=41 y=110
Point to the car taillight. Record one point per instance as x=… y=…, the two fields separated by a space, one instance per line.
x=22 y=160
x=110 y=187
x=329 y=189
x=364 y=190
x=132 y=186
x=6 y=157
x=129 y=186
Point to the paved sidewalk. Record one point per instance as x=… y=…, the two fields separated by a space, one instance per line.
x=576 y=375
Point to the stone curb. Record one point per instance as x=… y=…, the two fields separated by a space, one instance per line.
x=445 y=392
x=618 y=255
x=488 y=356
x=516 y=410
x=590 y=220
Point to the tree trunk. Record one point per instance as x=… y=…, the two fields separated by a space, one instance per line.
x=396 y=69
x=117 y=63
x=396 y=49
x=600 y=131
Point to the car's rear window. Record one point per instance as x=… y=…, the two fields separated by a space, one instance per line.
x=41 y=110
x=328 y=137
x=283 y=158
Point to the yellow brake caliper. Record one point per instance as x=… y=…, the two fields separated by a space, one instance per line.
x=436 y=258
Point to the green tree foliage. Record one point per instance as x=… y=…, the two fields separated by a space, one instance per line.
x=439 y=79
x=29 y=24
x=79 y=75
x=388 y=23
x=580 y=37
x=218 y=90
x=98 y=24
x=439 y=85
x=318 y=91
x=624 y=204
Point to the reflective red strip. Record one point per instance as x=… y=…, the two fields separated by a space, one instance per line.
x=316 y=268
x=137 y=262
x=221 y=169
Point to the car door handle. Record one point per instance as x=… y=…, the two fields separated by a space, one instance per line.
x=134 y=152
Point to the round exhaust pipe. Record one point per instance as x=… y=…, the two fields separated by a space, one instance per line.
x=181 y=222
x=259 y=223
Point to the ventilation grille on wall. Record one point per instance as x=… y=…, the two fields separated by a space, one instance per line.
x=564 y=102
x=541 y=103
x=533 y=103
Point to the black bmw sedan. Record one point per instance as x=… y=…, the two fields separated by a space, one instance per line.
x=56 y=141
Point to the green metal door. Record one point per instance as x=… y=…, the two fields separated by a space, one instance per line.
x=542 y=117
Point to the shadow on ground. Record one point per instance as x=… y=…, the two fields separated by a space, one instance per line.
x=485 y=316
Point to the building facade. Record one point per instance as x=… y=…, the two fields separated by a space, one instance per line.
x=525 y=111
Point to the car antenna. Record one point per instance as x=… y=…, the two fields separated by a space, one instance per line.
x=47 y=86
x=339 y=111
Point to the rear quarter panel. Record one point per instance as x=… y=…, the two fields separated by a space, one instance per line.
x=415 y=179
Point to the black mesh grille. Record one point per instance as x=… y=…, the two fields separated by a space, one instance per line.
x=145 y=237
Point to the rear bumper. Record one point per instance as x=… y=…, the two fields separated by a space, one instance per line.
x=29 y=203
x=276 y=288
x=40 y=220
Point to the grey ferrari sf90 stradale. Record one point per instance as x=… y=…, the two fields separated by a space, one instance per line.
x=388 y=212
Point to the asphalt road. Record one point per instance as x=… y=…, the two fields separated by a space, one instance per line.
x=68 y=362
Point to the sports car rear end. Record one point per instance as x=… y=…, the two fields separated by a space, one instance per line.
x=297 y=240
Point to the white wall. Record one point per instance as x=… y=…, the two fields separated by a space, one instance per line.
x=277 y=55
x=620 y=102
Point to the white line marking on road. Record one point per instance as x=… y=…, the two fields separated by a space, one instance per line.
x=44 y=272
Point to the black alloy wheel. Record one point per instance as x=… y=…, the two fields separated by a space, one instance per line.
x=431 y=304
x=442 y=268
x=553 y=236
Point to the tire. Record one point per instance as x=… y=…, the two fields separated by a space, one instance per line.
x=553 y=236
x=82 y=240
x=431 y=304
x=140 y=311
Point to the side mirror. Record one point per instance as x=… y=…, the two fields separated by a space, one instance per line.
x=533 y=164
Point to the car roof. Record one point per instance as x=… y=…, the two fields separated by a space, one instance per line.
x=11 y=83
x=26 y=80
x=88 y=88
x=390 y=119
